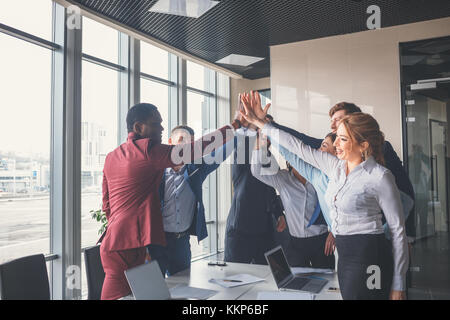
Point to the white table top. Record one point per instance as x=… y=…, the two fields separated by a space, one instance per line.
x=200 y=273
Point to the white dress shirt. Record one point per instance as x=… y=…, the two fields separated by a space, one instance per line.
x=299 y=201
x=357 y=199
x=179 y=202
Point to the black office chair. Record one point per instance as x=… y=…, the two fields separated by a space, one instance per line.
x=94 y=272
x=25 y=279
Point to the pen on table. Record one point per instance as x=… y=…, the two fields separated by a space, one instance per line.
x=232 y=280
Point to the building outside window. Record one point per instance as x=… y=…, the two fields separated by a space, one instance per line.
x=25 y=123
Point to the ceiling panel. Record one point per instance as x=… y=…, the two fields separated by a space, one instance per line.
x=249 y=27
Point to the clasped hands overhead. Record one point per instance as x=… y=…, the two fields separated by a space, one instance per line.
x=250 y=112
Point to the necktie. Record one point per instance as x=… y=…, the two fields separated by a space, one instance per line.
x=315 y=215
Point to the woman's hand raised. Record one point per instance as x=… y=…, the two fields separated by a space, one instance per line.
x=253 y=111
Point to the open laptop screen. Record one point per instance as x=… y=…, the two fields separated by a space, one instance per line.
x=278 y=264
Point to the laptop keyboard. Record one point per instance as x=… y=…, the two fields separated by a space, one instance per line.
x=297 y=283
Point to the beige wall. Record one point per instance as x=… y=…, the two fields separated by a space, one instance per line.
x=245 y=85
x=309 y=77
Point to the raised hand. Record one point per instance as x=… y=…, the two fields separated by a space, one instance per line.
x=256 y=104
x=253 y=112
x=238 y=116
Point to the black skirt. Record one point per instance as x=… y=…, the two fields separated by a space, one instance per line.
x=365 y=266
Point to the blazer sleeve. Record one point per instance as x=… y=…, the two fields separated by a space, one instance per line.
x=394 y=164
x=211 y=162
x=321 y=160
x=164 y=156
x=389 y=201
x=310 y=141
x=269 y=175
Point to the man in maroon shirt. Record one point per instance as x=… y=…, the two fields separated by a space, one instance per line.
x=131 y=178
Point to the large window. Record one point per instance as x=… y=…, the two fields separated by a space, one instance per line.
x=31 y=16
x=25 y=117
x=201 y=116
x=98 y=138
x=158 y=95
x=154 y=61
x=155 y=83
x=57 y=128
x=100 y=41
x=199 y=77
x=99 y=127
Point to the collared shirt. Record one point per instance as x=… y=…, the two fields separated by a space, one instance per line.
x=299 y=200
x=131 y=178
x=179 y=202
x=357 y=199
x=320 y=182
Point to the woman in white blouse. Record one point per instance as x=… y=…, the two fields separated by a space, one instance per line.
x=360 y=191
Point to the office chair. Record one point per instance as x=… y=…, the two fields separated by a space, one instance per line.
x=25 y=279
x=94 y=272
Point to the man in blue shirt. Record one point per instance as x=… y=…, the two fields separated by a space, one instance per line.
x=182 y=205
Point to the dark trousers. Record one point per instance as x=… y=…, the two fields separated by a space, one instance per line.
x=242 y=248
x=309 y=252
x=173 y=258
x=357 y=256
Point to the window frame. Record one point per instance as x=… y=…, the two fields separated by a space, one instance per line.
x=66 y=134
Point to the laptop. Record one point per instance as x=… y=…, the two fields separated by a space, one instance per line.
x=284 y=277
x=147 y=283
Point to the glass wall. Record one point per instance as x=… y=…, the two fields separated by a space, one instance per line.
x=155 y=84
x=426 y=87
x=37 y=151
x=201 y=116
x=36 y=19
x=99 y=127
x=25 y=118
x=99 y=124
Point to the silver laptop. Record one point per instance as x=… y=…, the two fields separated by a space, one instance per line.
x=147 y=283
x=284 y=277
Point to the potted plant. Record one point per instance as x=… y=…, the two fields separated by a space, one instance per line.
x=100 y=216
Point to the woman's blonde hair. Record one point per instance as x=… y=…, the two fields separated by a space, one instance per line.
x=362 y=127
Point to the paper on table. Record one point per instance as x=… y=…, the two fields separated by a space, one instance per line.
x=284 y=295
x=242 y=278
x=183 y=291
x=301 y=270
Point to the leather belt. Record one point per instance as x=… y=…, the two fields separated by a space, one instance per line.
x=177 y=235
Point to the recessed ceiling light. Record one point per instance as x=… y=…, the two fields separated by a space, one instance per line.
x=239 y=60
x=185 y=8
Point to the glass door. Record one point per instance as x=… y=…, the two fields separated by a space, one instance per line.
x=425 y=76
x=439 y=166
x=426 y=128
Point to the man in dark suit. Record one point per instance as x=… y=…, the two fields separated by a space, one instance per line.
x=183 y=212
x=250 y=231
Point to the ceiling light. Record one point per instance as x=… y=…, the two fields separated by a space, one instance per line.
x=185 y=8
x=239 y=60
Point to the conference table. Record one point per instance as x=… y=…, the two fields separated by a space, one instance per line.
x=200 y=273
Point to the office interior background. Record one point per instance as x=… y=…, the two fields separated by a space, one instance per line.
x=67 y=81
